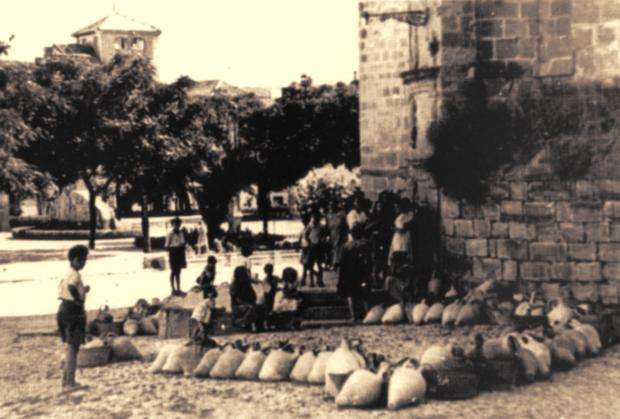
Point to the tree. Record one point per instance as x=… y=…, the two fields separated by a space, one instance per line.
x=17 y=177
x=218 y=166
x=159 y=135
x=307 y=127
x=69 y=116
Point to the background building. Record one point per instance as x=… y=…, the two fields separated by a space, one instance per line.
x=108 y=36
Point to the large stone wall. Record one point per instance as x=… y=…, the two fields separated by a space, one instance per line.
x=536 y=229
x=543 y=232
x=575 y=40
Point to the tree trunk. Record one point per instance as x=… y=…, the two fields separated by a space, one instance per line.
x=264 y=206
x=92 y=213
x=146 y=235
x=213 y=215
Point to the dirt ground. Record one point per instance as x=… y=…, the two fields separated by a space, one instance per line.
x=30 y=382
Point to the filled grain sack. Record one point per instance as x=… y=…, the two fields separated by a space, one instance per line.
x=437 y=355
x=161 y=358
x=563 y=352
x=541 y=352
x=148 y=325
x=393 y=315
x=419 y=312
x=302 y=367
x=339 y=366
x=207 y=362
x=252 y=364
x=450 y=313
x=228 y=363
x=558 y=314
x=95 y=353
x=374 y=315
x=593 y=339
x=278 y=365
x=183 y=359
x=363 y=388
x=124 y=350
x=433 y=315
x=469 y=314
x=407 y=386
x=317 y=373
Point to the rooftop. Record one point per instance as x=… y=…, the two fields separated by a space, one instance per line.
x=211 y=87
x=117 y=22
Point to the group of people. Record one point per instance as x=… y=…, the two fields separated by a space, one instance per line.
x=256 y=304
x=390 y=244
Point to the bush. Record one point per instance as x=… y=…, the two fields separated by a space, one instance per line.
x=40 y=234
x=325 y=185
x=477 y=138
x=45 y=223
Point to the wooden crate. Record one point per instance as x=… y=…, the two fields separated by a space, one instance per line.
x=174 y=323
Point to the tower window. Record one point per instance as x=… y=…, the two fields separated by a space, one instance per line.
x=137 y=44
x=121 y=44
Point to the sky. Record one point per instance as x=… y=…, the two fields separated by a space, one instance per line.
x=262 y=43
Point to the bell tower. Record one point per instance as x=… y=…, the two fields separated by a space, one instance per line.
x=117 y=33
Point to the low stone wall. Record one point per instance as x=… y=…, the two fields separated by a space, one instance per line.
x=557 y=235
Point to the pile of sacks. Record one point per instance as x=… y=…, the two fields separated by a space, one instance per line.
x=359 y=380
x=490 y=302
x=104 y=350
x=452 y=310
x=141 y=319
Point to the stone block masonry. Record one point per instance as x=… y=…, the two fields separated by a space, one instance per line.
x=567 y=241
x=535 y=229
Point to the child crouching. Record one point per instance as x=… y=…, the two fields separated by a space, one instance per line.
x=202 y=316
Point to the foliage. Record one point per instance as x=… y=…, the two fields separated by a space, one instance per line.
x=17 y=177
x=307 y=127
x=477 y=138
x=473 y=139
x=68 y=234
x=73 y=111
x=327 y=184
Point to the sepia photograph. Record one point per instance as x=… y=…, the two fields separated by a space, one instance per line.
x=310 y=209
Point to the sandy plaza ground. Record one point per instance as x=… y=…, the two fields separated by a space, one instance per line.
x=30 y=364
x=30 y=379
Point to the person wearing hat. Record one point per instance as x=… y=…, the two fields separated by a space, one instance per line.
x=176 y=243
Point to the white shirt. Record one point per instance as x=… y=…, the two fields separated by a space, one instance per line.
x=355 y=217
x=401 y=241
x=174 y=239
x=202 y=311
x=72 y=278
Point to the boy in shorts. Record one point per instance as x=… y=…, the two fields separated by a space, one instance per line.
x=71 y=317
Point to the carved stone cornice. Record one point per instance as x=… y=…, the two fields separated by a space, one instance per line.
x=411 y=17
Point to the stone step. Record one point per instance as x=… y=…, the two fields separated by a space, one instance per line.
x=325 y=313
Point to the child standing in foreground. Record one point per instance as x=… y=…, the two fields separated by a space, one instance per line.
x=71 y=315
